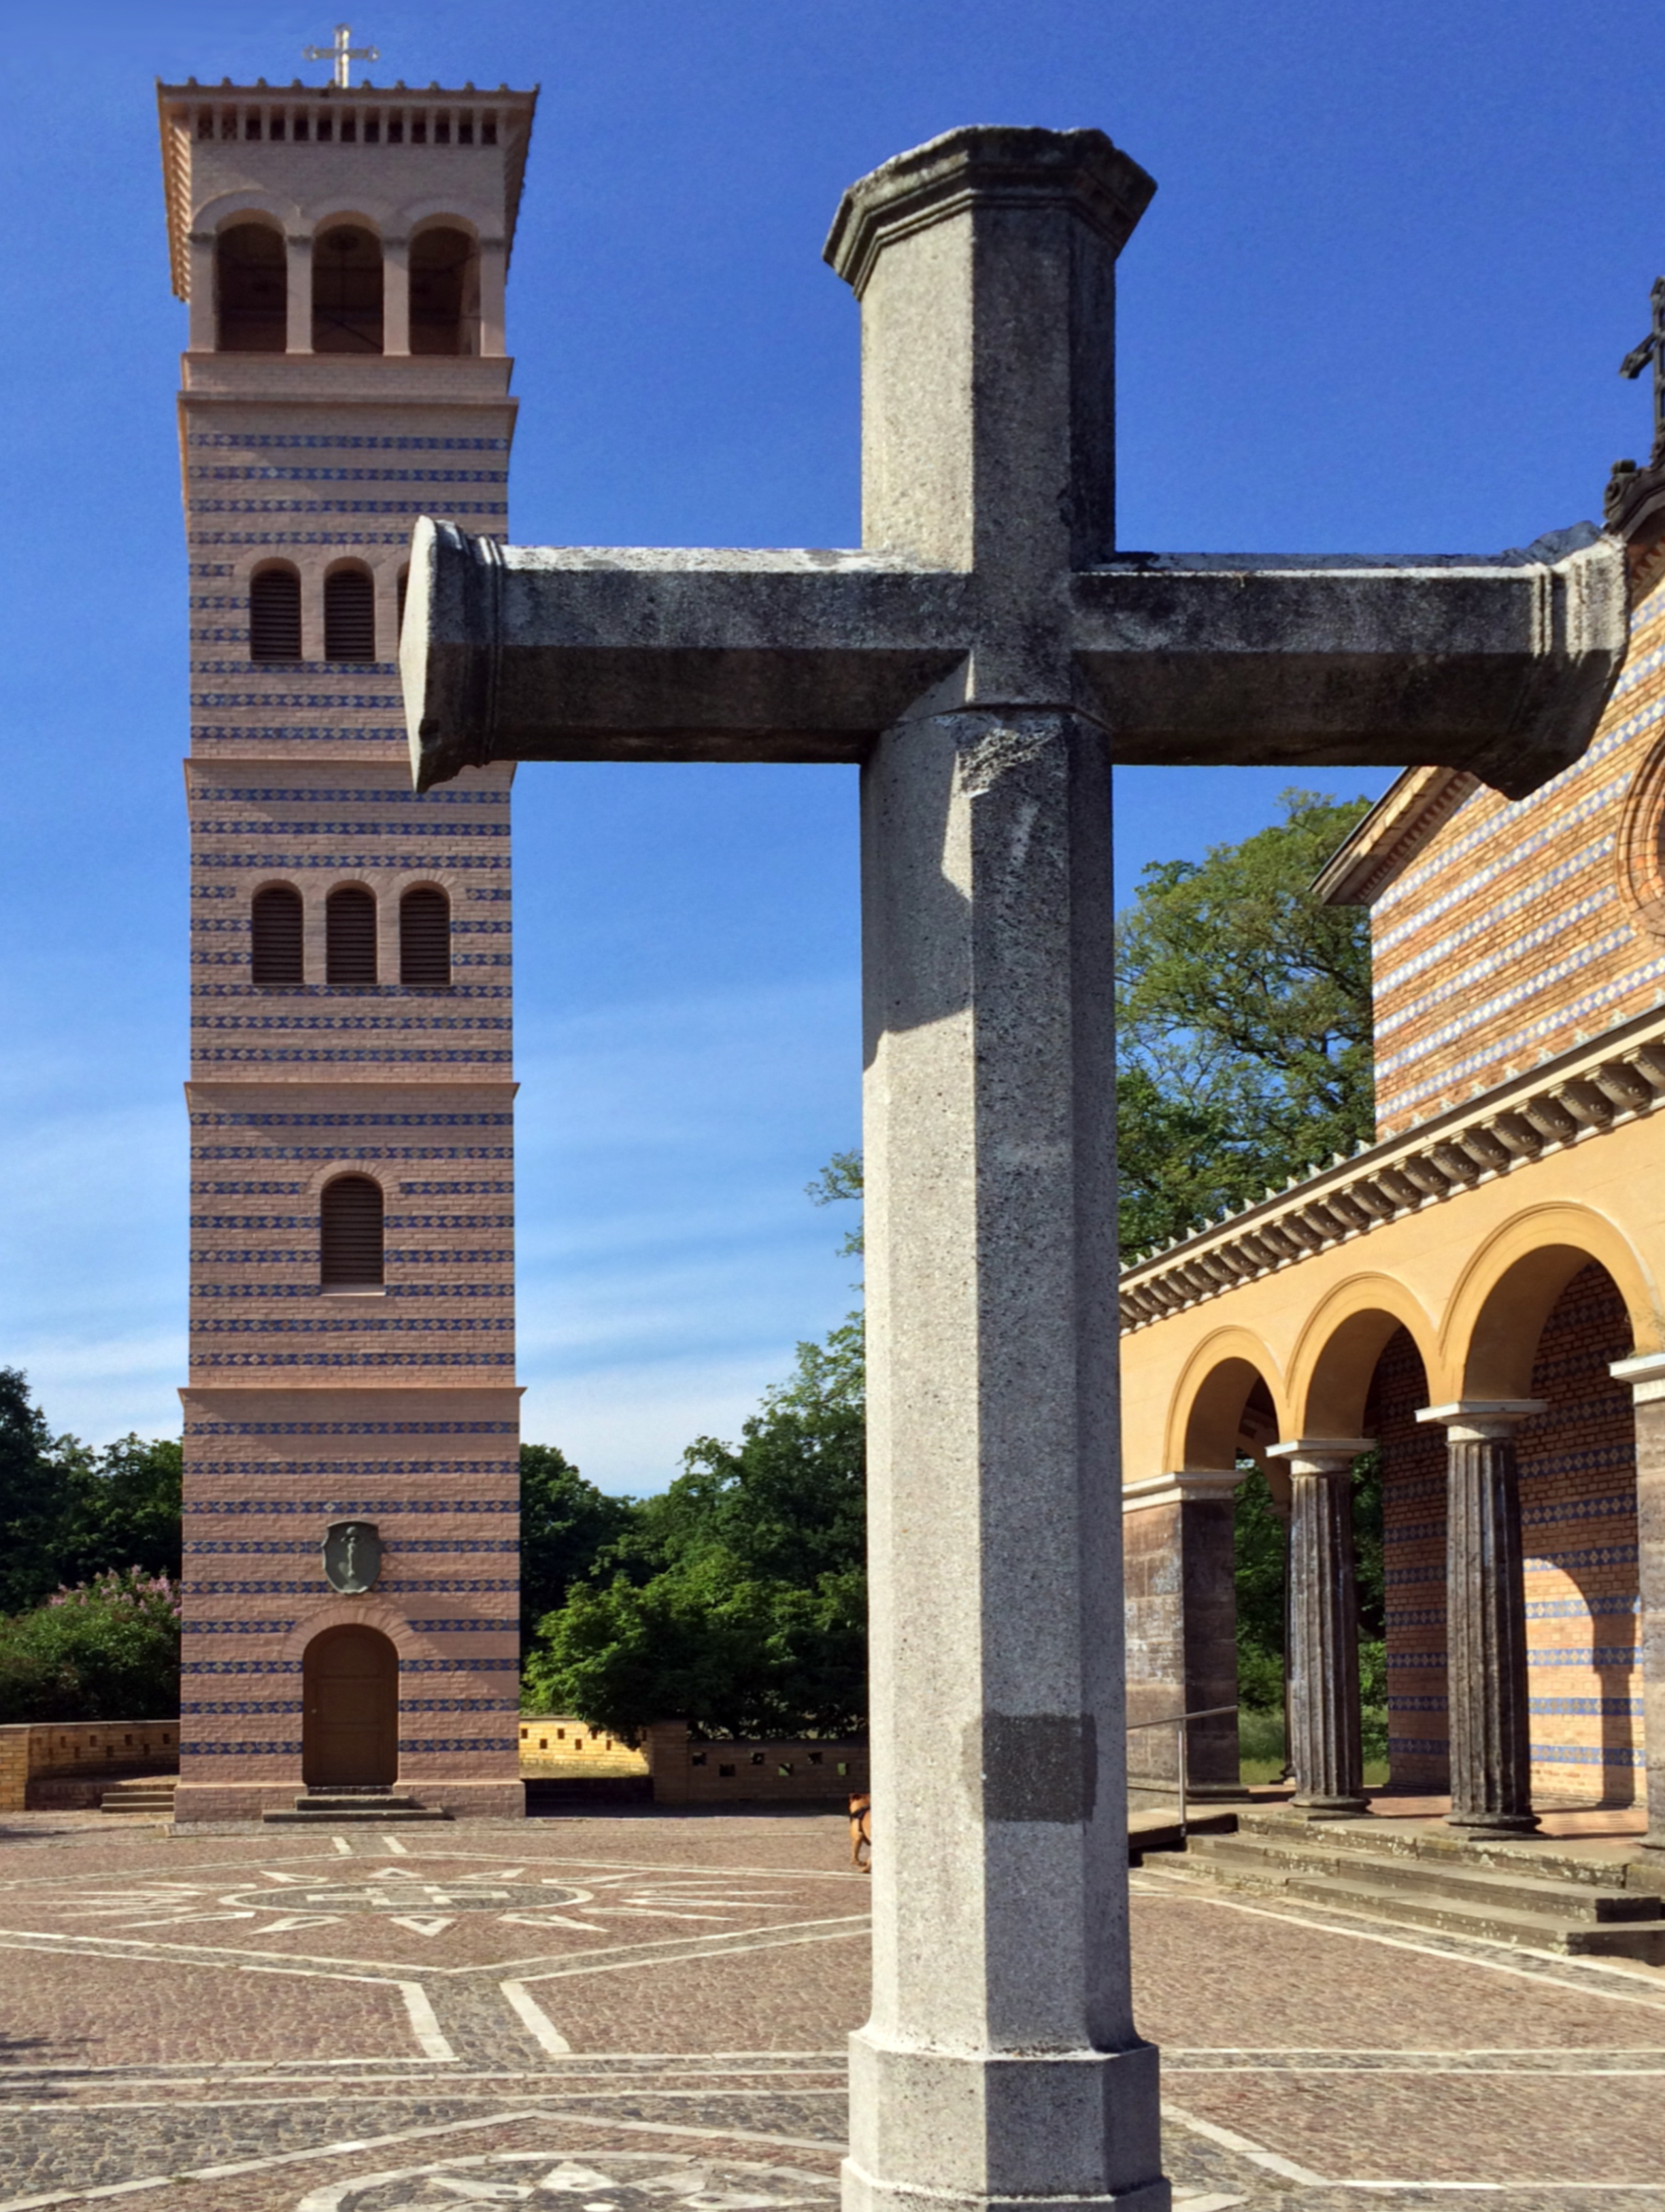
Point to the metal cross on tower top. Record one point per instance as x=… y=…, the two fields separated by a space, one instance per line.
x=343 y=53
x=1652 y=349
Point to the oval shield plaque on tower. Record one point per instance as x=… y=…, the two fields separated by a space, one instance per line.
x=352 y=1556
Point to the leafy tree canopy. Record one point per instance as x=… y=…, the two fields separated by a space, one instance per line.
x=565 y=1524
x=737 y=1598
x=1244 y=1013
x=106 y=1650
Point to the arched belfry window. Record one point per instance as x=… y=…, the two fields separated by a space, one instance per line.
x=252 y=288
x=347 y=290
x=425 y=937
x=445 y=292
x=275 y=614
x=351 y=1235
x=349 y=938
x=350 y=614
x=275 y=951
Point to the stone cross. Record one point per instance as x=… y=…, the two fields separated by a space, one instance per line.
x=984 y=657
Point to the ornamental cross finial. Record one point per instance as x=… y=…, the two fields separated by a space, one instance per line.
x=1652 y=349
x=343 y=53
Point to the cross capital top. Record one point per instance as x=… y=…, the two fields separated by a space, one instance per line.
x=343 y=53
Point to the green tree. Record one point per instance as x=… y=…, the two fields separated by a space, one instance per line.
x=35 y=1498
x=106 y=1650
x=565 y=1525
x=123 y=1507
x=737 y=1598
x=1244 y=1010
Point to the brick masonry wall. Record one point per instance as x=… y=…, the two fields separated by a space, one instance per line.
x=1414 y=1548
x=398 y=1406
x=1513 y=930
x=1578 y=1525
x=784 y=1772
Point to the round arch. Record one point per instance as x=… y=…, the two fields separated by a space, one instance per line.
x=1337 y=1351
x=1506 y=1291
x=1205 y=1413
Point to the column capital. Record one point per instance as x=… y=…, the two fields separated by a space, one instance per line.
x=1482 y=1420
x=1182 y=1486
x=1321 y=1455
x=1645 y=1374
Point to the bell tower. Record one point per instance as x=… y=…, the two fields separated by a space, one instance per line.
x=351 y=1419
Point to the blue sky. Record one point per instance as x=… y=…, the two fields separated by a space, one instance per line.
x=1377 y=304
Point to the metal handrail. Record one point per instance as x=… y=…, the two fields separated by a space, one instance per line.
x=1176 y=1722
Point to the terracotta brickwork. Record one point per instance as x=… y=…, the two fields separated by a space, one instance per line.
x=1413 y=1552
x=1577 y=1463
x=787 y=1771
x=1519 y=925
x=392 y=1402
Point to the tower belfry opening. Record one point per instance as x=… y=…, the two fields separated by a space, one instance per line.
x=343 y=251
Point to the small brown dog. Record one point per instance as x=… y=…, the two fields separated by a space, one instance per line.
x=861 y=1833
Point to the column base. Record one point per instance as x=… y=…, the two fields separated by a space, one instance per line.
x=1493 y=1824
x=1329 y=1808
x=995 y=2131
x=863 y=2192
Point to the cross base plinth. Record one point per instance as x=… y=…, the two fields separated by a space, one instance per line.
x=995 y=2132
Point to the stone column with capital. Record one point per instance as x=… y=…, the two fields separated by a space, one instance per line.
x=396 y=295
x=298 y=262
x=1179 y=1573
x=1325 y=1740
x=1486 y=1616
x=1646 y=1377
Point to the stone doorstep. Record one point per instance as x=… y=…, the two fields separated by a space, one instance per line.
x=1443 y=1846
x=368 y=1807
x=1529 y=1893
x=1573 y=1918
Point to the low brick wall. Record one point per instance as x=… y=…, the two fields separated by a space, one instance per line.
x=690 y=1772
x=39 y=1760
x=558 y=1745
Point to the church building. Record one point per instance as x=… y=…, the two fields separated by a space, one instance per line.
x=1476 y=1296
x=351 y=1419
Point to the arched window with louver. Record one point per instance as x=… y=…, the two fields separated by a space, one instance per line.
x=275 y=614
x=425 y=938
x=350 y=614
x=276 y=957
x=349 y=938
x=351 y=1235
x=347 y=291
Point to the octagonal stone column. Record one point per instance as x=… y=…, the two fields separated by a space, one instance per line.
x=1486 y=1616
x=1325 y=1741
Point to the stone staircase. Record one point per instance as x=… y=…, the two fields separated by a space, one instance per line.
x=343 y=1805
x=1500 y=1893
x=152 y=1794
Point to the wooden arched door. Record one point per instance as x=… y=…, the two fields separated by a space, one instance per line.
x=350 y=1701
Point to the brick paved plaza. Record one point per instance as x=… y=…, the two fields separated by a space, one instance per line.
x=626 y=2010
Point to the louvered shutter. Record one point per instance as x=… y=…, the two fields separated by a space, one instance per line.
x=425 y=937
x=275 y=614
x=351 y=1239
x=349 y=938
x=276 y=957
x=349 y=616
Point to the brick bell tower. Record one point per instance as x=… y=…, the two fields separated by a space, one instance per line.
x=351 y=1421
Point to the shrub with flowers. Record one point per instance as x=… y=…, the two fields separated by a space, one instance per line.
x=108 y=1650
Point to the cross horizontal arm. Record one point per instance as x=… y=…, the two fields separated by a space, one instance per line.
x=1500 y=666
x=631 y=653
